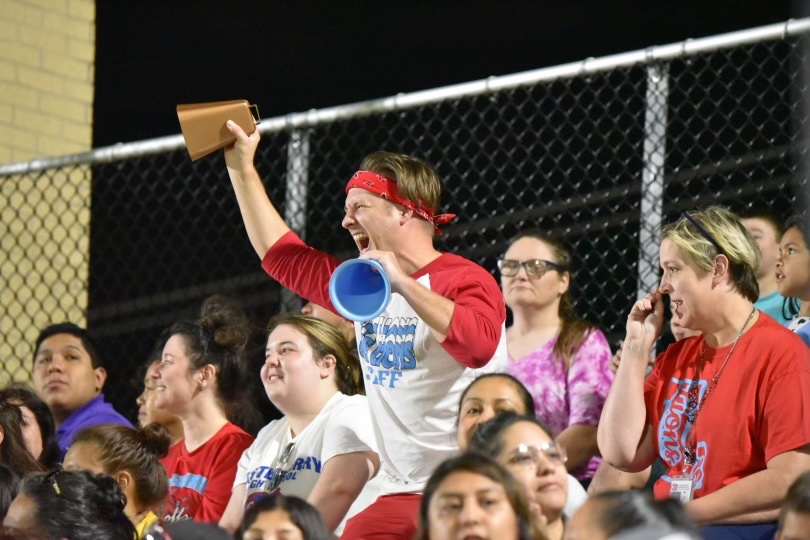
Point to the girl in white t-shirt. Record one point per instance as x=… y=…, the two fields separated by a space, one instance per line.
x=323 y=449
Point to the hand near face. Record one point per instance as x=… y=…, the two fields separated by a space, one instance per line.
x=645 y=321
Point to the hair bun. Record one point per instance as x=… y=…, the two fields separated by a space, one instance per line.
x=225 y=321
x=155 y=439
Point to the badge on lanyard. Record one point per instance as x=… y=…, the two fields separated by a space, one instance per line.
x=683 y=488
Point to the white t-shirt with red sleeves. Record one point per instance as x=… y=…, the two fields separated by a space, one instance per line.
x=413 y=382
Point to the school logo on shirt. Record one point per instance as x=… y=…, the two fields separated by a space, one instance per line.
x=177 y=509
x=387 y=347
x=674 y=429
x=258 y=478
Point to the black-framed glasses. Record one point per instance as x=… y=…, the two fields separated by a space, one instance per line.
x=280 y=467
x=703 y=232
x=527 y=456
x=533 y=267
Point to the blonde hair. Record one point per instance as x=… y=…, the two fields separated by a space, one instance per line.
x=325 y=339
x=718 y=225
x=416 y=180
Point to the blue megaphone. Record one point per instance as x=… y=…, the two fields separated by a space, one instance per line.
x=360 y=289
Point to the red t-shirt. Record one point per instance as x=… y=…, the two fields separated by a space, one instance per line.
x=759 y=408
x=479 y=311
x=200 y=481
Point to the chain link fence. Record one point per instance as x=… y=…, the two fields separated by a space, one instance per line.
x=601 y=153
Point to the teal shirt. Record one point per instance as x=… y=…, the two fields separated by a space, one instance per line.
x=772 y=305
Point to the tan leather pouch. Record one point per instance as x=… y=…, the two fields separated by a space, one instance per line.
x=203 y=124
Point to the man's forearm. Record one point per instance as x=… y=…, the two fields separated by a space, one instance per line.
x=435 y=310
x=263 y=223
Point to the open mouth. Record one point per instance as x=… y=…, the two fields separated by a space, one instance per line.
x=361 y=240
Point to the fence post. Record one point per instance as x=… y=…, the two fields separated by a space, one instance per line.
x=295 y=201
x=652 y=176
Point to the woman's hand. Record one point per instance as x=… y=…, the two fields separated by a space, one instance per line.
x=645 y=322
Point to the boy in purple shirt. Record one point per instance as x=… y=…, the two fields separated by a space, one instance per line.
x=68 y=377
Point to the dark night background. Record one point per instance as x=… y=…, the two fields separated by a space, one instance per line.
x=294 y=56
x=290 y=57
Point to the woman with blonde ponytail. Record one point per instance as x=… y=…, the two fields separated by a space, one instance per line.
x=563 y=361
x=323 y=449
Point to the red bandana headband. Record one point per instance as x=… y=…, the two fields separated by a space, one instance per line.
x=387 y=189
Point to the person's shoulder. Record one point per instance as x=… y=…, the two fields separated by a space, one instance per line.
x=595 y=336
x=349 y=404
x=273 y=430
x=779 y=344
x=233 y=434
x=457 y=270
x=99 y=411
x=768 y=328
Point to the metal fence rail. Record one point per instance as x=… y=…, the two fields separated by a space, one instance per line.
x=131 y=238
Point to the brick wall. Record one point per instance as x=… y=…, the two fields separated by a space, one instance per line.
x=47 y=55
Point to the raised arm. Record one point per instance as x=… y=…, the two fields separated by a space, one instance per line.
x=263 y=222
x=623 y=435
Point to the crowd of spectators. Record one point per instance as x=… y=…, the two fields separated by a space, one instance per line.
x=435 y=420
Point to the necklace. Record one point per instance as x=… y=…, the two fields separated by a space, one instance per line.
x=693 y=407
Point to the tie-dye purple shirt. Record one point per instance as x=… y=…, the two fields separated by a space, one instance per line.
x=574 y=398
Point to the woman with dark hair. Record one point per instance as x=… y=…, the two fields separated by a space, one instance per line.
x=793 y=274
x=726 y=411
x=287 y=517
x=486 y=396
x=8 y=489
x=69 y=505
x=492 y=394
x=524 y=446
x=202 y=372
x=14 y=453
x=323 y=449
x=148 y=412
x=38 y=425
x=130 y=456
x=473 y=496
x=562 y=360
x=631 y=512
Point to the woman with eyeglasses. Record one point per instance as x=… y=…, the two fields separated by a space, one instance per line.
x=525 y=447
x=323 y=449
x=563 y=361
x=494 y=393
x=727 y=411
